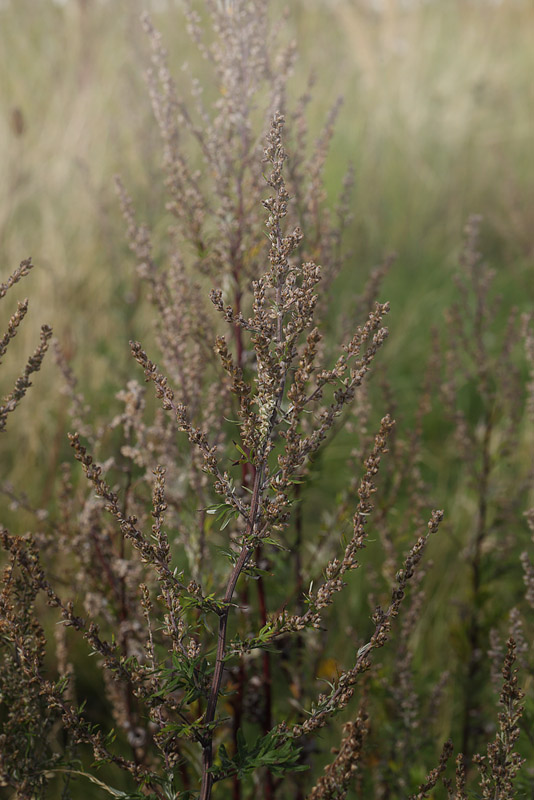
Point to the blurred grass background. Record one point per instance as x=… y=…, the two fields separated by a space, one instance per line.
x=437 y=119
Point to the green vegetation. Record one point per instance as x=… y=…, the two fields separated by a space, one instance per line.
x=246 y=549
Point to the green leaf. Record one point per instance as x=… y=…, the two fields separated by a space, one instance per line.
x=191 y=676
x=213 y=509
x=240 y=450
x=274 y=543
x=228 y=519
x=278 y=754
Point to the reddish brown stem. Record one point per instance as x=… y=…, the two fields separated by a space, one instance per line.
x=267 y=681
x=246 y=550
x=247 y=477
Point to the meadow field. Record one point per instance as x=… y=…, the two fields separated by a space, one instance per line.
x=435 y=126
